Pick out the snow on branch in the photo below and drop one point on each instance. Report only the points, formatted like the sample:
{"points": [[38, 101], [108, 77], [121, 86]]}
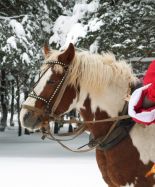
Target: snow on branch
{"points": [[149, 18], [12, 17]]}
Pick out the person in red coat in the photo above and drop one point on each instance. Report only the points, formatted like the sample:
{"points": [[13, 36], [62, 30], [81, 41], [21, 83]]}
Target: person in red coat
{"points": [[142, 101]]}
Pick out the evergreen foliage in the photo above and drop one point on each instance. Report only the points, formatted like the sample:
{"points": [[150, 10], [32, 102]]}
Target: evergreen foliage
{"points": [[127, 27], [24, 27]]}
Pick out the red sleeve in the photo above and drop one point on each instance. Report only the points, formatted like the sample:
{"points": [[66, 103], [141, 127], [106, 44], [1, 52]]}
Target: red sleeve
{"points": [[150, 74], [150, 78], [151, 92]]}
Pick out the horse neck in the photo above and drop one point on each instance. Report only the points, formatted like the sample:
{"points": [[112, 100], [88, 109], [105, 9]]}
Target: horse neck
{"points": [[98, 129], [101, 105]]}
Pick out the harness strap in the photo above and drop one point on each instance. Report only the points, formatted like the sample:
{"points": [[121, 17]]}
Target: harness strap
{"points": [[118, 133], [59, 97], [98, 141], [34, 109], [96, 145], [74, 120], [92, 122], [47, 133], [70, 149]]}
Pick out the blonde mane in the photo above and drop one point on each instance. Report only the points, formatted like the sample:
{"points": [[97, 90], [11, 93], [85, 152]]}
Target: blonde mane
{"points": [[95, 71], [99, 71]]}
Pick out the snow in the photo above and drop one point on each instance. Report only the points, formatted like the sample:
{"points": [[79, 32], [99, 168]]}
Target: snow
{"points": [[75, 32], [142, 59], [127, 41], [117, 45], [9, 77], [140, 47], [25, 58], [12, 42], [25, 19], [95, 24], [46, 26], [80, 10], [60, 29], [94, 47], [17, 28], [30, 161], [68, 29]]}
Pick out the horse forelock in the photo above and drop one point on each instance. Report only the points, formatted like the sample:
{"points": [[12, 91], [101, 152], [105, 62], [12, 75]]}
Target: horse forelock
{"points": [[52, 56]]}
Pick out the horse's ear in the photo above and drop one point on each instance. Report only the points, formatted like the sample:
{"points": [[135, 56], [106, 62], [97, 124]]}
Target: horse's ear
{"points": [[46, 49], [68, 55]]}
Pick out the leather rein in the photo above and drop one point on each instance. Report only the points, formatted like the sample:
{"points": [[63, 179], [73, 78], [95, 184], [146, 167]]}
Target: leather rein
{"points": [[50, 112]]}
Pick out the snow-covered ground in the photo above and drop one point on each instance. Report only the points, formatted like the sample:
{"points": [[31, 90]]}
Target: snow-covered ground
{"points": [[28, 161]]}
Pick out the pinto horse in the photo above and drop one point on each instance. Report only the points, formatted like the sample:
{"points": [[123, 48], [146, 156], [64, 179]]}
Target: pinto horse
{"points": [[96, 86]]}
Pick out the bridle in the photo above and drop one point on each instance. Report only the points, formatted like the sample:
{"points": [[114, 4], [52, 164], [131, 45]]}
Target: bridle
{"points": [[49, 111]]}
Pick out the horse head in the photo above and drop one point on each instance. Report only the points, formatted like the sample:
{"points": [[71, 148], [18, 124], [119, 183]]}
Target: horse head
{"points": [[45, 99]]}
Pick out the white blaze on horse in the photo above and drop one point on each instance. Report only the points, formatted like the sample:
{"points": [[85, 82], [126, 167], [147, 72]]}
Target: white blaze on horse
{"points": [[95, 85]]}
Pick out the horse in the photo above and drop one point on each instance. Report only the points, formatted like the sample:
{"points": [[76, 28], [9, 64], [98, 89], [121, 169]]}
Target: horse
{"points": [[95, 85]]}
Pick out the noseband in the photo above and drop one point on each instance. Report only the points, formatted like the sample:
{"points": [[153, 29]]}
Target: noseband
{"points": [[59, 91]]}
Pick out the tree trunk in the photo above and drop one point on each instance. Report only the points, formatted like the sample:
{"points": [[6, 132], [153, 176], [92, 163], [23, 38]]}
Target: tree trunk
{"points": [[56, 128], [12, 103], [18, 106], [3, 121], [26, 92]]}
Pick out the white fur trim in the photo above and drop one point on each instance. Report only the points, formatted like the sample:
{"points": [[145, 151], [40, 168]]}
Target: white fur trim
{"points": [[147, 116]]}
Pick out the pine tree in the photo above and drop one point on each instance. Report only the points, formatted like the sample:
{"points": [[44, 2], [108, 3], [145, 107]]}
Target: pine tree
{"points": [[24, 26], [125, 29]]}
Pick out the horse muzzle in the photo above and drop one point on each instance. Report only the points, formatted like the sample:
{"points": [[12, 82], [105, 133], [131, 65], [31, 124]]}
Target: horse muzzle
{"points": [[30, 120]]}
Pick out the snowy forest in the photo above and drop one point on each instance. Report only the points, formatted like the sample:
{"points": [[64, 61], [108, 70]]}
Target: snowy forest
{"points": [[125, 27]]}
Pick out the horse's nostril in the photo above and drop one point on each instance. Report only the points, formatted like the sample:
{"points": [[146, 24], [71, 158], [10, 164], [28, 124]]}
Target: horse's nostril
{"points": [[39, 120], [30, 120], [26, 116]]}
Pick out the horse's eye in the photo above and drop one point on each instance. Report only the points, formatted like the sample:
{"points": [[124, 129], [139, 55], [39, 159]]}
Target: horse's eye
{"points": [[51, 82]]}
